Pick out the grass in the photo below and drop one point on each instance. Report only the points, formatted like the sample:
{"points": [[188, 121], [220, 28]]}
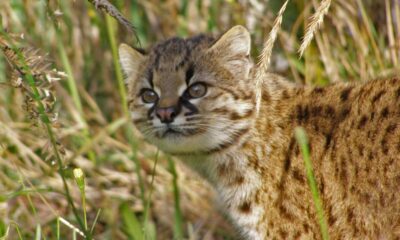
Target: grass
{"points": [[49, 127], [302, 140]]}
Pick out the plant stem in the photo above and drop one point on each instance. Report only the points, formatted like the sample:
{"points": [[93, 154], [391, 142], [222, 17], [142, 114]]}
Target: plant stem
{"points": [[303, 142], [46, 121], [148, 202], [178, 220], [122, 92]]}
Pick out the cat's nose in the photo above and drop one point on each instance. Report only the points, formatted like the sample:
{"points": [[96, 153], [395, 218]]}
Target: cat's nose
{"points": [[166, 115]]}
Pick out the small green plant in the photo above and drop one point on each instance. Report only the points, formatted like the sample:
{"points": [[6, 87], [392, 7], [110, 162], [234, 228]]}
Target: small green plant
{"points": [[302, 140]]}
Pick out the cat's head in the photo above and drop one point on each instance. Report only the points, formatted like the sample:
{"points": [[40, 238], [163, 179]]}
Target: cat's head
{"points": [[191, 95]]}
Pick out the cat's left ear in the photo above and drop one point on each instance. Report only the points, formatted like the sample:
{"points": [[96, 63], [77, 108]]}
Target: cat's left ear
{"points": [[235, 43], [130, 60], [233, 47]]}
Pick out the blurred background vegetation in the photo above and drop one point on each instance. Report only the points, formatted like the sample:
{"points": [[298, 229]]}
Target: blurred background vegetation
{"points": [[79, 84]]}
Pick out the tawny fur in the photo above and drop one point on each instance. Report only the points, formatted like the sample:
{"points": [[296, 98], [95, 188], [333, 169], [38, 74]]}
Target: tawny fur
{"points": [[253, 160]]}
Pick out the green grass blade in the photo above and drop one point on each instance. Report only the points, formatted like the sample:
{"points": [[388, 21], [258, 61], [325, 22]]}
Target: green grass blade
{"points": [[95, 220], [58, 233], [148, 201], [29, 78], [178, 219], [302, 139], [38, 235], [122, 92], [132, 225], [73, 89]]}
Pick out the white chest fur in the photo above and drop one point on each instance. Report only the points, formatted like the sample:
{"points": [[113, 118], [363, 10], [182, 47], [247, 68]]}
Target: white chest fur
{"points": [[237, 186]]}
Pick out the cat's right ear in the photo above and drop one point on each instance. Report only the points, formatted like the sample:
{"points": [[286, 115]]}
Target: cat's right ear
{"points": [[130, 59]]}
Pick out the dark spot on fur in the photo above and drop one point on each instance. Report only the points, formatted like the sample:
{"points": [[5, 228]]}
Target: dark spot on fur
{"points": [[330, 111], [302, 113], [391, 128], [239, 180], [378, 96], [372, 116], [328, 140], [283, 234], [150, 77], [287, 163], [321, 187], [298, 176], [297, 149], [285, 94], [385, 112], [289, 153], [189, 73], [245, 207], [285, 213], [360, 150], [362, 122], [306, 227], [384, 146], [345, 94], [350, 215], [370, 156], [397, 93], [315, 111], [344, 113], [222, 169], [343, 172], [318, 90], [266, 97], [366, 197], [235, 116], [257, 198], [331, 218]]}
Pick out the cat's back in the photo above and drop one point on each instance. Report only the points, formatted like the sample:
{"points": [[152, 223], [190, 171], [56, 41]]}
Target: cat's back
{"points": [[354, 135]]}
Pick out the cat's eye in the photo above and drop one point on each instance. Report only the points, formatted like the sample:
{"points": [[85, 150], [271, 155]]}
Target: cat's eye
{"points": [[197, 90], [149, 96]]}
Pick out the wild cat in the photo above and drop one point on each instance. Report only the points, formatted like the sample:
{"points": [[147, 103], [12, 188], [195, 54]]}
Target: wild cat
{"points": [[195, 98]]}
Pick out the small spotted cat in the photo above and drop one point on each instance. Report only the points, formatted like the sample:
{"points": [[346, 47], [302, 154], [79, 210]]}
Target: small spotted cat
{"points": [[195, 98]]}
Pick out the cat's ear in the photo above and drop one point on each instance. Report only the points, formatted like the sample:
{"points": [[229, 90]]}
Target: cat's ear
{"points": [[130, 59], [234, 44]]}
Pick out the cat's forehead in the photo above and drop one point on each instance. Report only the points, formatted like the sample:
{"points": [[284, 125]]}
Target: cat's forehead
{"points": [[175, 53]]}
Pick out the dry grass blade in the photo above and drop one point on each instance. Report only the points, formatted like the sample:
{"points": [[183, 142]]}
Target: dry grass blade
{"points": [[390, 30], [316, 21], [265, 57], [110, 9]]}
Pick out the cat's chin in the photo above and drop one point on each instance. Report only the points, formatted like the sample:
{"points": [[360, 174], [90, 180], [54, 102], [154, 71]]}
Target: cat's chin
{"points": [[176, 143]]}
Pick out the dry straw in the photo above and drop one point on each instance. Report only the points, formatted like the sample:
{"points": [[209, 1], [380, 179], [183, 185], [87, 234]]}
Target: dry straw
{"points": [[316, 21], [265, 57], [110, 9]]}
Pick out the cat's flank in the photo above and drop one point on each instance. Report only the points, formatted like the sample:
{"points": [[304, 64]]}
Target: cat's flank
{"points": [[195, 98]]}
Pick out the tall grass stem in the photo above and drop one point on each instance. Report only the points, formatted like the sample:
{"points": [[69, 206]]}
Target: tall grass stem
{"points": [[302, 140], [178, 219], [122, 92]]}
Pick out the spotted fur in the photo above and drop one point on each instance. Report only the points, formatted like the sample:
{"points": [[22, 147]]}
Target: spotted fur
{"points": [[253, 160]]}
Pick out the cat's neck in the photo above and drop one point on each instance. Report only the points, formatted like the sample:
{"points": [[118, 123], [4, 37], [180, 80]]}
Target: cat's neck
{"points": [[223, 166], [237, 162]]}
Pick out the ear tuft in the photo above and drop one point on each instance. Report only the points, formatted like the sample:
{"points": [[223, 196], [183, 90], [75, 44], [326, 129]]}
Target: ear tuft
{"points": [[235, 42], [130, 59]]}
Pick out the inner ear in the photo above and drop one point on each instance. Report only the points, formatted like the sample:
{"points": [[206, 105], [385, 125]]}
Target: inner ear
{"points": [[130, 59]]}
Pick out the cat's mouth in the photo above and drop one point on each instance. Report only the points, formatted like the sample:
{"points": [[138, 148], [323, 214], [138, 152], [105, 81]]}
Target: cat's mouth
{"points": [[171, 132]]}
